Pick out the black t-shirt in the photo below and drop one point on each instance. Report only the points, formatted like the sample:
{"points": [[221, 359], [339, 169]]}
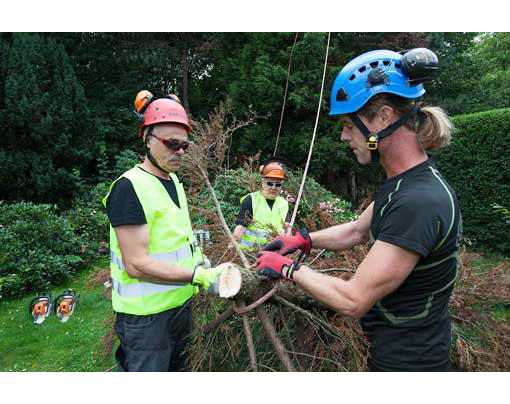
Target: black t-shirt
{"points": [[246, 212], [409, 329], [124, 207]]}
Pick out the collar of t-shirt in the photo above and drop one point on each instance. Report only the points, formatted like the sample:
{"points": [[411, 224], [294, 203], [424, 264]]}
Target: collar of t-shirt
{"points": [[169, 186]]}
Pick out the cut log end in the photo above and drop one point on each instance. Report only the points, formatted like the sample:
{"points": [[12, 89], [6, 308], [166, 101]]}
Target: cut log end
{"points": [[230, 280]]}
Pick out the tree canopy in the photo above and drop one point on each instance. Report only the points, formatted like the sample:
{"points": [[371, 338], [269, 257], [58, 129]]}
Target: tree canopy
{"points": [[67, 98]]}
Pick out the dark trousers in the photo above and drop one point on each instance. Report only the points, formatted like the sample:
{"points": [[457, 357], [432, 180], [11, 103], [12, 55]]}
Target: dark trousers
{"points": [[156, 342]]}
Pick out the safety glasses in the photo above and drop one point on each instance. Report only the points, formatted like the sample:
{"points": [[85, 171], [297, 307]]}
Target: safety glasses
{"points": [[173, 145], [274, 184]]}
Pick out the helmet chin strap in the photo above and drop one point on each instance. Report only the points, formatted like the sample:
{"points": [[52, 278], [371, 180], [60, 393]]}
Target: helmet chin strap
{"points": [[154, 162], [151, 157], [373, 139]]}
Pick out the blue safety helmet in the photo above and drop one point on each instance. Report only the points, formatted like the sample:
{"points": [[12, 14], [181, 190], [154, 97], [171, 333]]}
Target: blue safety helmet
{"points": [[375, 72]]}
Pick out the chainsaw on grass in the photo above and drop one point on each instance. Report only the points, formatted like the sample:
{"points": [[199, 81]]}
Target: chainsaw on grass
{"points": [[40, 307], [65, 305]]}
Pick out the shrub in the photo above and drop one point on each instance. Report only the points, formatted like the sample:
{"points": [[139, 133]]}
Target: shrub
{"points": [[88, 215], [232, 185], [37, 248], [478, 168]]}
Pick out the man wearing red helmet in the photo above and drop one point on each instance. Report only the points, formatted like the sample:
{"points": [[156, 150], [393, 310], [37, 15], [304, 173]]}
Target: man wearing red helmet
{"points": [[154, 266]]}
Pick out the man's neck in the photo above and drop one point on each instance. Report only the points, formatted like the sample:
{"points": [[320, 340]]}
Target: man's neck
{"points": [[401, 152], [151, 168]]}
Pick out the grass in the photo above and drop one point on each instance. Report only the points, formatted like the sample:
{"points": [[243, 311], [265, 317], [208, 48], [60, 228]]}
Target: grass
{"points": [[74, 346], [54, 346], [489, 260]]}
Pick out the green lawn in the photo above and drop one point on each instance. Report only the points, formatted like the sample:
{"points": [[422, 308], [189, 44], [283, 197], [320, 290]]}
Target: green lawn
{"points": [[73, 346], [54, 346]]}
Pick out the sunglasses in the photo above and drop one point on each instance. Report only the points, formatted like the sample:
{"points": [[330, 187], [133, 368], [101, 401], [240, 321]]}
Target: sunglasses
{"points": [[275, 184], [173, 145]]}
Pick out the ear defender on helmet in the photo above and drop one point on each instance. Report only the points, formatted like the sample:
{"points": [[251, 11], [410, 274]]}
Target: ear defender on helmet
{"points": [[142, 101], [419, 65], [376, 72], [152, 111]]}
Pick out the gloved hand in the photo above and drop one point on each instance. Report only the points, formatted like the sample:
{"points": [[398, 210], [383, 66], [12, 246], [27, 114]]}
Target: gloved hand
{"points": [[207, 279], [203, 261], [284, 245], [275, 266]]}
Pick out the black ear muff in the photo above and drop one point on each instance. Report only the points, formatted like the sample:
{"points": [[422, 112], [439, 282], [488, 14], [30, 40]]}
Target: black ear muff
{"points": [[419, 65]]}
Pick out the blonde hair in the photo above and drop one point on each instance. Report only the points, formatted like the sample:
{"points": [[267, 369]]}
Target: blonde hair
{"points": [[432, 125]]}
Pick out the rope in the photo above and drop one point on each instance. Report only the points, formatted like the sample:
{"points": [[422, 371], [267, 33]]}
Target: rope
{"points": [[285, 96], [313, 139]]}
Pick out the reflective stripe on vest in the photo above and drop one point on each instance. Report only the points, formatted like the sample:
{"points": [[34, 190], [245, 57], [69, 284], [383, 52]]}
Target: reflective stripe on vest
{"points": [[170, 240], [172, 257], [265, 219], [141, 288]]}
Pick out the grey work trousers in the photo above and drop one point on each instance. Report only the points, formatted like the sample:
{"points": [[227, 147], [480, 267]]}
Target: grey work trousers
{"points": [[155, 342]]}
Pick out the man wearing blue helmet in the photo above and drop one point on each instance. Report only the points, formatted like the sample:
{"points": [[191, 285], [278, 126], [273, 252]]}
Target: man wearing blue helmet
{"points": [[400, 291]]}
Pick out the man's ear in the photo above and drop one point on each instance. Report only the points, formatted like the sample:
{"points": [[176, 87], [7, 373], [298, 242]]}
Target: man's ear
{"points": [[386, 114], [146, 138]]}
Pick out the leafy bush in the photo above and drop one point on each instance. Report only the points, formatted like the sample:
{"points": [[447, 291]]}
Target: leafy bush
{"points": [[478, 168], [88, 214], [232, 185], [37, 248]]}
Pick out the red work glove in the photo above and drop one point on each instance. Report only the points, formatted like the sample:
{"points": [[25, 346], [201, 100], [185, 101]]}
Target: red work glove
{"points": [[284, 245], [275, 266]]}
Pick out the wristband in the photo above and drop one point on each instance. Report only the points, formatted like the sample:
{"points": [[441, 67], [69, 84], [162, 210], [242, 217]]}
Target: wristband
{"points": [[291, 269]]}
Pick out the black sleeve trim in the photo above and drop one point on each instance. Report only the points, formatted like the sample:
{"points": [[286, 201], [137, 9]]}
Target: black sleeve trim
{"points": [[245, 212], [123, 205]]}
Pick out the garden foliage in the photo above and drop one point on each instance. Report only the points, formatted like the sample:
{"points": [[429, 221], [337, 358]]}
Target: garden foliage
{"points": [[38, 247], [232, 185], [477, 166], [42, 246]]}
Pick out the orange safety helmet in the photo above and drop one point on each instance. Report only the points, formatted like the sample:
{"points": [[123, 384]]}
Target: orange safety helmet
{"points": [[166, 109], [273, 169]]}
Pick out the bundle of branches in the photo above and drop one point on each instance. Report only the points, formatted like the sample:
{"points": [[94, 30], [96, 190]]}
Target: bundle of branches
{"points": [[274, 325], [273, 304]]}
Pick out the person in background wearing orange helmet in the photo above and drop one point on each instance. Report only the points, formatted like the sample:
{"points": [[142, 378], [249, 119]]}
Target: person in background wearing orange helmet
{"points": [[265, 210], [154, 266]]}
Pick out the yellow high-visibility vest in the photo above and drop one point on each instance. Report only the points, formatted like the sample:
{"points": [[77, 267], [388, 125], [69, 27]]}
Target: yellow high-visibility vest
{"points": [[170, 239], [265, 219]]}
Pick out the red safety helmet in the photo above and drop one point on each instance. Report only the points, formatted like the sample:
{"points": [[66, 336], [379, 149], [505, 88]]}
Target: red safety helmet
{"points": [[166, 109]]}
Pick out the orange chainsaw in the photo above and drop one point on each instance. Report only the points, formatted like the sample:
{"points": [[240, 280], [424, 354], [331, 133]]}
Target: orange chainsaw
{"points": [[40, 307], [65, 305]]}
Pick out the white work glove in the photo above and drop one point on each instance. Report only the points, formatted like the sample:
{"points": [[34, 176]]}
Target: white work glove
{"points": [[203, 261]]}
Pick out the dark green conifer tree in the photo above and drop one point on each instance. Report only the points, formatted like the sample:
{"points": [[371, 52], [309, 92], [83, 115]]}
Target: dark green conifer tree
{"points": [[47, 147]]}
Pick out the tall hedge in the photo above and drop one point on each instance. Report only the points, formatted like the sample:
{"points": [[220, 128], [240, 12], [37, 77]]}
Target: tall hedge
{"points": [[477, 165]]}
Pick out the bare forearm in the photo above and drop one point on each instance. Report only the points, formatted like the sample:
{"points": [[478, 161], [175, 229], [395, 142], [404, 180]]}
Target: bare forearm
{"points": [[156, 271], [332, 292], [345, 236], [238, 232], [340, 237]]}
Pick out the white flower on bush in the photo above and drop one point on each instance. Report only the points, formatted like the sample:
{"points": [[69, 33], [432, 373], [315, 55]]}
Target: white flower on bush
{"points": [[330, 207]]}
